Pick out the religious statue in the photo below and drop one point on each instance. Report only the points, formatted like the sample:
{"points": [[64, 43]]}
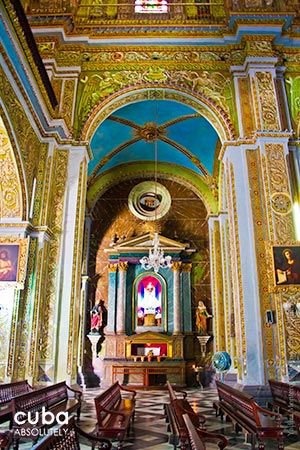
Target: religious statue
{"points": [[149, 305], [201, 318], [98, 313]]}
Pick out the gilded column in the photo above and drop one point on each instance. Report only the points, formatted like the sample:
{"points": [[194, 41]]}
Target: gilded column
{"points": [[226, 276], [217, 283], [121, 297], [186, 269], [294, 162], [112, 298], [269, 185], [53, 200], [176, 266], [84, 324]]}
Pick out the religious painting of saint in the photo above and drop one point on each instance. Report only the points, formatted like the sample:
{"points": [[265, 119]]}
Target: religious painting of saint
{"points": [[9, 255], [286, 265], [149, 302]]}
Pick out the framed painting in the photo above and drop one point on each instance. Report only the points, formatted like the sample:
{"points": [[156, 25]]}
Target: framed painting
{"points": [[149, 302], [9, 262], [286, 265]]}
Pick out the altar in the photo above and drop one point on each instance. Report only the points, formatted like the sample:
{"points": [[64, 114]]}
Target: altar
{"points": [[149, 332]]}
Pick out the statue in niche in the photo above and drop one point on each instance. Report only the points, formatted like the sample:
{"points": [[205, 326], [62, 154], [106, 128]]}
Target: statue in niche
{"points": [[98, 317], [201, 318], [149, 304]]}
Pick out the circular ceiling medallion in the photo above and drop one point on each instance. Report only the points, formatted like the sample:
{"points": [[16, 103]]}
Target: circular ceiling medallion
{"points": [[149, 200]]}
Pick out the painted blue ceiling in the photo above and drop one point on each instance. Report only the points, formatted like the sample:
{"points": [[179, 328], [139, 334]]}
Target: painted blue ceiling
{"points": [[166, 153], [190, 133]]}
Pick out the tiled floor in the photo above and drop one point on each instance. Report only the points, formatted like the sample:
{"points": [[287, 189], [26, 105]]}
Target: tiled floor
{"points": [[150, 430]]}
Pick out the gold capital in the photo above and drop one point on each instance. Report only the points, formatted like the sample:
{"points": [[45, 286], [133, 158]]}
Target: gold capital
{"points": [[176, 265], [112, 267], [186, 267], [123, 266]]}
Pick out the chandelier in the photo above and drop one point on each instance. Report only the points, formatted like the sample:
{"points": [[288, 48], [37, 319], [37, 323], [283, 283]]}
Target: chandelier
{"points": [[156, 259]]}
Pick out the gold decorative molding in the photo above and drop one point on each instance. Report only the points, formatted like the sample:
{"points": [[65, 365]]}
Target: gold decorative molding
{"points": [[235, 263], [109, 101], [76, 271], [278, 184], [10, 186], [259, 45], [67, 102], [259, 224], [55, 200], [267, 101], [28, 142], [13, 332], [288, 302], [20, 364], [281, 203]]}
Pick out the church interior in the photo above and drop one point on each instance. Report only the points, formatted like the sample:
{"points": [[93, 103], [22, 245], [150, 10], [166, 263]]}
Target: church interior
{"points": [[150, 221]]}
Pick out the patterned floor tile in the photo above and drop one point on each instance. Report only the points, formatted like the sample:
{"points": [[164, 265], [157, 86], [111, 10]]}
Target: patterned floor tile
{"points": [[150, 428]]}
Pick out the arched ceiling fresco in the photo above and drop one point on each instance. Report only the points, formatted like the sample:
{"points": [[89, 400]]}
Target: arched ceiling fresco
{"points": [[183, 137]]}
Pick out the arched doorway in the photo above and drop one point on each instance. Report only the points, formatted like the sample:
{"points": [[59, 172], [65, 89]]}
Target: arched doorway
{"points": [[187, 167]]}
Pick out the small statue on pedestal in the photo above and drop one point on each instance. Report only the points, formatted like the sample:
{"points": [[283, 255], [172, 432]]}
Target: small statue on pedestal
{"points": [[98, 315], [201, 318]]}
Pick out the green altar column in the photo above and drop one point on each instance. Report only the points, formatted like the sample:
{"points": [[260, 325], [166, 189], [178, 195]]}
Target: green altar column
{"points": [[186, 297], [112, 298]]}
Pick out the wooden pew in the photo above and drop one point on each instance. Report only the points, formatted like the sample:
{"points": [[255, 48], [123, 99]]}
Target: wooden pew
{"points": [[174, 411], [280, 396], [67, 438], [53, 398], [114, 413], [197, 438], [7, 392], [286, 400], [261, 424], [5, 440], [181, 400]]}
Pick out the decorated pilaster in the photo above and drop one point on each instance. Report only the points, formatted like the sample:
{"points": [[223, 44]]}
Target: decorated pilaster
{"points": [[216, 265], [71, 263], [112, 298], [176, 266], [48, 232], [228, 304], [121, 298], [263, 116]]}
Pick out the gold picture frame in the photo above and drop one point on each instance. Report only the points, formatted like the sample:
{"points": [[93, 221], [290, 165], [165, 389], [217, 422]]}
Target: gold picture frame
{"points": [[13, 261], [286, 265]]}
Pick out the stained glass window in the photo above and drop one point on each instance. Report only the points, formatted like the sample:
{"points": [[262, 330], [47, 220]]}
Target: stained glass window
{"points": [[151, 6]]}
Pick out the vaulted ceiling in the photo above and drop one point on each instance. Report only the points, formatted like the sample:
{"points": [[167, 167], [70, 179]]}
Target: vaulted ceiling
{"points": [[183, 137]]}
